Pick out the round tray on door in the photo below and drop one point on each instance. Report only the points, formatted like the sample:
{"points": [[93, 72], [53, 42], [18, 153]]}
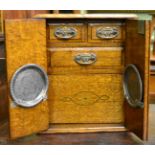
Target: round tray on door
{"points": [[29, 85], [133, 87]]}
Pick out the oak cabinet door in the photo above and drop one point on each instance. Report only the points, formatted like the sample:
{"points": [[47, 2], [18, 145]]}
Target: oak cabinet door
{"points": [[137, 53], [25, 44]]}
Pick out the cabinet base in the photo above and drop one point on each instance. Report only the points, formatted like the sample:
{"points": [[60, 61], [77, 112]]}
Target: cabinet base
{"points": [[84, 128]]}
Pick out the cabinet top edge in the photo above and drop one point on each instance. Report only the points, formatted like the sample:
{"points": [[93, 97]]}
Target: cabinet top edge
{"points": [[88, 16]]}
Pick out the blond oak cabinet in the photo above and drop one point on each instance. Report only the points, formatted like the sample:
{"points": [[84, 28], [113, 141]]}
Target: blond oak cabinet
{"points": [[84, 58]]}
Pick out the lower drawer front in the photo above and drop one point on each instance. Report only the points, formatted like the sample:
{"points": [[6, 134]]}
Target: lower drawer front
{"points": [[86, 98]]}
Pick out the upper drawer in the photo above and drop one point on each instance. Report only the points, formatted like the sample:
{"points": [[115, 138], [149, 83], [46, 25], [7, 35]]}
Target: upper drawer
{"points": [[105, 32], [67, 32], [85, 59]]}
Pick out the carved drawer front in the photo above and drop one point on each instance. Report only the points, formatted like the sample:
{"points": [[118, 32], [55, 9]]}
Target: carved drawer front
{"points": [[67, 32], [85, 59], [86, 98], [105, 32]]}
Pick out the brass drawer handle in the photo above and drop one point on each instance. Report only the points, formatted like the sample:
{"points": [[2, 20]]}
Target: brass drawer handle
{"points": [[107, 32], [65, 32], [85, 58]]}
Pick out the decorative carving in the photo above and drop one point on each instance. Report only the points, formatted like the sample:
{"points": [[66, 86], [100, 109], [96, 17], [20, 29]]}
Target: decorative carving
{"points": [[104, 97], [85, 98], [85, 58], [107, 32], [65, 32]]}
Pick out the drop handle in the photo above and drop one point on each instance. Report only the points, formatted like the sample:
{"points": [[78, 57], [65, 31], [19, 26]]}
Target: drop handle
{"points": [[65, 32], [107, 32], [85, 58]]}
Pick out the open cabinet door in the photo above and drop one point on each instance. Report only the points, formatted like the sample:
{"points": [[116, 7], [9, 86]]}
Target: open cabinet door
{"points": [[137, 53], [25, 44]]}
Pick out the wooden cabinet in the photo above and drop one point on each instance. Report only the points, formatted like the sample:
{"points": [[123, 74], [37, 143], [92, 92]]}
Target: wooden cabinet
{"points": [[85, 58]]}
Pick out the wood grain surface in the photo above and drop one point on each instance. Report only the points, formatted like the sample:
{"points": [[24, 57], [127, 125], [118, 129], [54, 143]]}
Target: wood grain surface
{"points": [[89, 16], [86, 33], [84, 128], [3, 92], [64, 57], [92, 31], [22, 14], [61, 60], [26, 44], [100, 138], [137, 52], [80, 28], [87, 98]]}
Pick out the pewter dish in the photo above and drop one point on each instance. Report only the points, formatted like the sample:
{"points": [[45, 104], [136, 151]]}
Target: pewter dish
{"points": [[133, 87], [29, 85]]}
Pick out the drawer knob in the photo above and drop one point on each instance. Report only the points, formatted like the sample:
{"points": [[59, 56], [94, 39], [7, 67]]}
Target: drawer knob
{"points": [[107, 32], [65, 32], [85, 58]]}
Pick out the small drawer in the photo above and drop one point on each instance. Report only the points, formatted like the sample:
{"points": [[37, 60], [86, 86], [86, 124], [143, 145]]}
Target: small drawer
{"points": [[85, 60], [105, 32], [67, 32]]}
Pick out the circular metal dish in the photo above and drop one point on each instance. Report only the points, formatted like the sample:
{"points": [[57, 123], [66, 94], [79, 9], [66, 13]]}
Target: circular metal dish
{"points": [[29, 85], [133, 87]]}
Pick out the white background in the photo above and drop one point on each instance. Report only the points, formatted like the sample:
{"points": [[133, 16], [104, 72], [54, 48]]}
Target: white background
{"points": [[78, 4]]}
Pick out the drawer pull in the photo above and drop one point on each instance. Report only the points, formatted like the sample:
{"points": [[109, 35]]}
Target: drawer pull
{"points": [[107, 32], [85, 58], [65, 32]]}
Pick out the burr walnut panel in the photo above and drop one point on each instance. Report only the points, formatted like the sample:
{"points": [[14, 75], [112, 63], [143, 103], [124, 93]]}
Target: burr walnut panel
{"points": [[96, 98], [26, 44]]}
